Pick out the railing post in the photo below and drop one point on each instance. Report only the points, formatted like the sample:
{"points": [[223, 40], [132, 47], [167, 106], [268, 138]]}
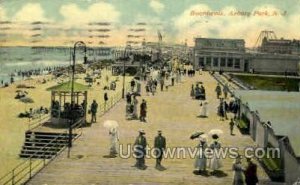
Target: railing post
{"points": [[30, 168], [13, 177], [56, 147], [44, 159], [111, 103]]}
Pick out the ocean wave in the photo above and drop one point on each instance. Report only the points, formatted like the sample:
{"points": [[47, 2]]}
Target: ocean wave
{"points": [[39, 63], [11, 64]]}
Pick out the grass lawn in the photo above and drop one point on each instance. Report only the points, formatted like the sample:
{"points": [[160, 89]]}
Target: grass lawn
{"points": [[271, 164], [242, 124], [270, 83]]}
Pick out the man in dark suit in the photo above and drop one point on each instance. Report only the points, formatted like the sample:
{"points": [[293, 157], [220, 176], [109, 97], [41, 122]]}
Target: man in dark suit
{"points": [[251, 173], [160, 146], [140, 145], [143, 111], [94, 108]]}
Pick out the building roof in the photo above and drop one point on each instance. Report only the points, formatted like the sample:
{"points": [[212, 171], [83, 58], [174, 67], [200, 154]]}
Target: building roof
{"points": [[66, 87], [219, 39], [282, 109]]}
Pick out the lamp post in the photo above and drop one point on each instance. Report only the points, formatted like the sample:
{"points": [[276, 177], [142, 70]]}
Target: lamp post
{"points": [[123, 88], [72, 120]]}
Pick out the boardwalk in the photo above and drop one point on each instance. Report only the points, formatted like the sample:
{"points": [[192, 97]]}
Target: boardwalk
{"points": [[175, 113]]}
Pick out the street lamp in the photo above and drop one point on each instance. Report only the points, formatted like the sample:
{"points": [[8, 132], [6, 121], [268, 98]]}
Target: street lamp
{"points": [[123, 88], [78, 43]]}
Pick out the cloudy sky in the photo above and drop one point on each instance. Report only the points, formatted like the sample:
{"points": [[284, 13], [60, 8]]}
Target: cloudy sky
{"points": [[61, 22]]}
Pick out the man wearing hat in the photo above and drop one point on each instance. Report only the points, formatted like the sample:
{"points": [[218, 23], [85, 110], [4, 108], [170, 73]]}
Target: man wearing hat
{"points": [[140, 145], [218, 91], [251, 173], [159, 146], [94, 108], [143, 111]]}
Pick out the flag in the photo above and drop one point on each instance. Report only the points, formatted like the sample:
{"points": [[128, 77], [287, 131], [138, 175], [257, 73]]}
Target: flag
{"points": [[159, 36]]}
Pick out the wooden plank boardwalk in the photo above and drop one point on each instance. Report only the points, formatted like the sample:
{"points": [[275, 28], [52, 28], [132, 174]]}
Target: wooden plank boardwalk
{"points": [[175, 113]]}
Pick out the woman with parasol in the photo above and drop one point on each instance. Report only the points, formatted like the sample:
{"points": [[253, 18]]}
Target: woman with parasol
{"points": [[112, 127], [201, 160], [215, 161]]}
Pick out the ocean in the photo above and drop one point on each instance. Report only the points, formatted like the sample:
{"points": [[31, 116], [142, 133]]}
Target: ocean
{"points": [[14, 59]]}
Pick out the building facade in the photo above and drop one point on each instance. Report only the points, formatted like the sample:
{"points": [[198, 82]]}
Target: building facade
{"points": [[231, 55], [220, 54], [280, 46]]}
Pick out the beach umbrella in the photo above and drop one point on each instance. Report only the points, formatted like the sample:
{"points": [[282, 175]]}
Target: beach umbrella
{"points": [[196, 135], [109, 124]]}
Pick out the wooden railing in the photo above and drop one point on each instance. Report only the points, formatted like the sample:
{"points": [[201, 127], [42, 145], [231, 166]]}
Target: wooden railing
{"points": [[28, 168], [24, 171]]}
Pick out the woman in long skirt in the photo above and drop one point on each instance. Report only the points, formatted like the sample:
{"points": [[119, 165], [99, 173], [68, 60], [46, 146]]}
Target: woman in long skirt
{"points": [[204, 111], [168, 82], [238, 178], [215, 162], [135, 104], [192, 92], [114, 138], [201, 160]]}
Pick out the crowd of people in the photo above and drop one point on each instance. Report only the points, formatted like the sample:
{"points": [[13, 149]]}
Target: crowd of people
{"points": [[163, 80], [67, 110]]}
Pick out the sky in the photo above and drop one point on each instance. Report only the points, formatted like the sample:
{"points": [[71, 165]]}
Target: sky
{"points": [[62, 22]]}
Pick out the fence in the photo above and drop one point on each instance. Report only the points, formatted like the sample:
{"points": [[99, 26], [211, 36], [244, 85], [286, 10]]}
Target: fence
{"points": [[38, 121], [24, 171]]}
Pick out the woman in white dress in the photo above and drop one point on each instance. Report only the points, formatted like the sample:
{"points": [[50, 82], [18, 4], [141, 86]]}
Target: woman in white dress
{"points": [[204, 111], [114, 138], [215, 161], [201, 159], [167, 82], [135, 104]]}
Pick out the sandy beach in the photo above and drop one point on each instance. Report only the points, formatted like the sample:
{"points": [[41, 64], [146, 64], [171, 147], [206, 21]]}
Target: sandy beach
{"points": [[13, 128]]}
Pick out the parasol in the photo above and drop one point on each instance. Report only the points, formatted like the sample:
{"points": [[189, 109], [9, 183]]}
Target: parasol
{"points": [[215, 131], [135, 94], [196, 135], [109, 124]]}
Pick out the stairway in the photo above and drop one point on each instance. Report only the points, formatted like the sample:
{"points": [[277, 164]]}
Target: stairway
{"points": [[43, 145]]}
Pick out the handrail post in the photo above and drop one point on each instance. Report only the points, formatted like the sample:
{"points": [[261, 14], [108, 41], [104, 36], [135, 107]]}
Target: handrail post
{"points": [[56, 146], [30, 168], [13, 177], [44, 158], [111, 103]]}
